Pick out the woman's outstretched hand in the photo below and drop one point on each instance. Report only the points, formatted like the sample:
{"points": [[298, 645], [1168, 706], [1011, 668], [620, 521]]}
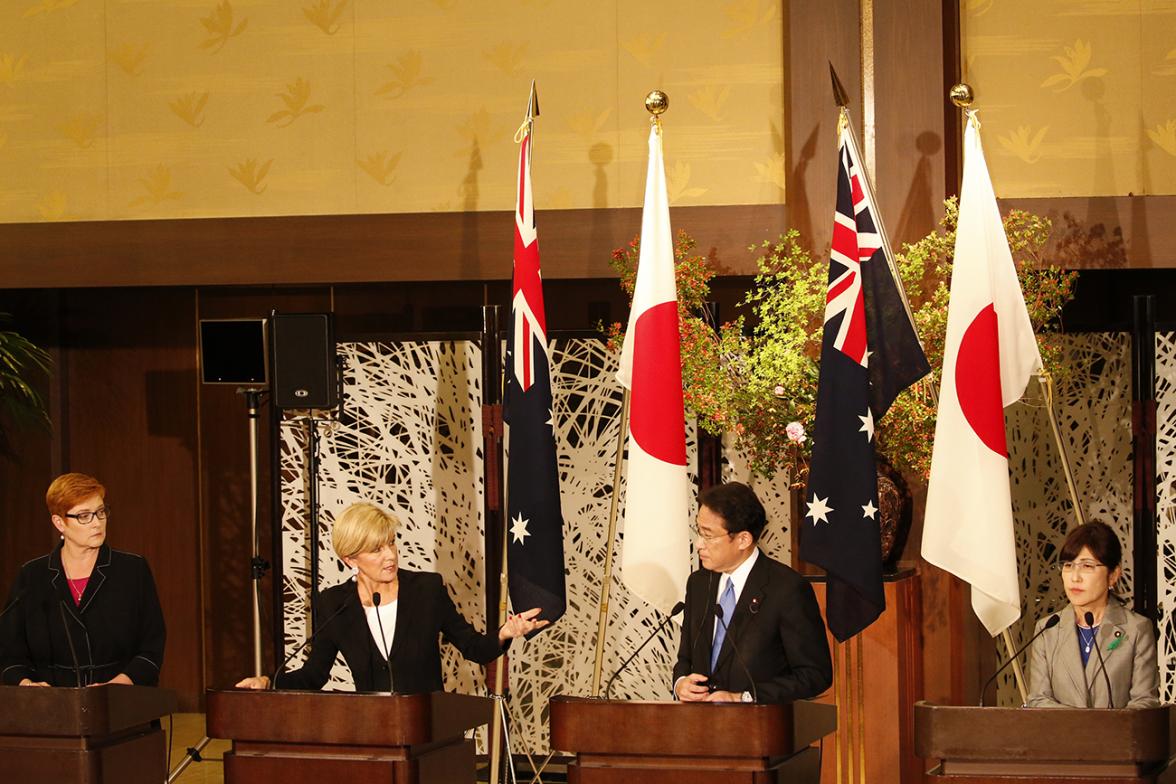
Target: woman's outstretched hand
{"points": [[521, 624]]}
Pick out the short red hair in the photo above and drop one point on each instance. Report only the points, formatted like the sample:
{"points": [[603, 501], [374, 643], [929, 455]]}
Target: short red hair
{"points": [[68, 490]]}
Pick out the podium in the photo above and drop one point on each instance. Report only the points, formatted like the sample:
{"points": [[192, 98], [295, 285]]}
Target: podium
{"points": [[990, 745], [345, 738], [84, 736], [631, 742]]}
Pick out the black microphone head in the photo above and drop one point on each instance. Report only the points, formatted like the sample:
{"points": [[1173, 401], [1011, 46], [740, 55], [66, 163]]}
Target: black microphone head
{"points": [[719, 610], [1089, 618], [1054, 620], [679, 607], [375, 599]]}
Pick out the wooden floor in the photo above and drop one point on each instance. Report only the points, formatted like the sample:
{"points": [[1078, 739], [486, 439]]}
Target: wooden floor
{"points": [[188, 731]]}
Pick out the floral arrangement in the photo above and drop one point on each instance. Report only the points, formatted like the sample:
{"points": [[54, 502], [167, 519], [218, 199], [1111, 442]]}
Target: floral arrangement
{"points": [[706, 378], [761, 383]]}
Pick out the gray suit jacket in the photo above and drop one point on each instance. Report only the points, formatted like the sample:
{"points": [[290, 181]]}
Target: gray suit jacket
{"points": [[1057, 678]]}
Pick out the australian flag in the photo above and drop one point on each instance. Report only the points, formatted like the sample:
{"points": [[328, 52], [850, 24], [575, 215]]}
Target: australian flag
{"points": [[535, 559], [870, 353]]}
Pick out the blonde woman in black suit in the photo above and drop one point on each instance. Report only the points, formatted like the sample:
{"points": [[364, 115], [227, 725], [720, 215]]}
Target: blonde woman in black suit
{"points": [[1066, 669], [402, 631]]}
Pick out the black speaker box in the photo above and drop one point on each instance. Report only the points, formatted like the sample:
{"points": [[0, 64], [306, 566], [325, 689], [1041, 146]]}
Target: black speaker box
{"points": [[233, 351], [302, 360]]}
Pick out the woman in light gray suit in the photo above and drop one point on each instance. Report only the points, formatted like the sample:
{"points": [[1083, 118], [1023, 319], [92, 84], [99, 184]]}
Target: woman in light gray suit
{"points": [[1066, 670]]}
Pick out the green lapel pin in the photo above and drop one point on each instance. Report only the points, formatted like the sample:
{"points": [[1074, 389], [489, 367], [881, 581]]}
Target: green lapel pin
{"points": [[1115, 643]]}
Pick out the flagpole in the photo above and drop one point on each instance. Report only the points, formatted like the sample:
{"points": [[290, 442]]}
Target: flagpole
{"points": [[490, 343], [962, 96], [497, 727], [1047, 388], [606, 581], [1018, 675], [845, 126]]}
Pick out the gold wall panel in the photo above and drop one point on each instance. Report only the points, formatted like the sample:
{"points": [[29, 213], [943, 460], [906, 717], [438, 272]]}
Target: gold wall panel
{"points": [[134, 109], [1076, 97]]}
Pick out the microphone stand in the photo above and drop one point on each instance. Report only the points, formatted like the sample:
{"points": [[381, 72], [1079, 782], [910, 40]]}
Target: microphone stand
{"points": [[1049, 624], [383, 640], [738, 655], [679, 607], [69, 639], [1102, 664]]}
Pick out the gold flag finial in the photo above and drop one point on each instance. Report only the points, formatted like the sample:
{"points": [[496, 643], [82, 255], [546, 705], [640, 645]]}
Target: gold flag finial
{"points": [[961, 95], [532, 113], [533, 104], [656, 104], [838, 89]]}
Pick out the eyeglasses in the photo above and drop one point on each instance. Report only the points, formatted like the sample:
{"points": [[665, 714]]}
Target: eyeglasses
{"points": [[1085, 568], [713, 537], [87, 517]]}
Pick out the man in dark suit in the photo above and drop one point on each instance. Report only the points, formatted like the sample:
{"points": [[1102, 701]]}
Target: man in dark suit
{"points": [[769, 612]]}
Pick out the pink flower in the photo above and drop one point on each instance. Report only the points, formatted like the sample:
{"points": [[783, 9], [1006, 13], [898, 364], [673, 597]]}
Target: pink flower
{"points": [[795, 432], [779, 392]]}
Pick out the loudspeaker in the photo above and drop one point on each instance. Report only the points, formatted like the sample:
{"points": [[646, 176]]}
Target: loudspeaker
{"points": [[233, 351], [302, 360]]}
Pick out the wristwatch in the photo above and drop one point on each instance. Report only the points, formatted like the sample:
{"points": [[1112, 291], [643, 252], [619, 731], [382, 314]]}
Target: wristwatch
{"points": [[746, 697]]}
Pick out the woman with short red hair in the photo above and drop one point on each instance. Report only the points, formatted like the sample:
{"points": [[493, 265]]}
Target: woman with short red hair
{"points": [[84, 614]]}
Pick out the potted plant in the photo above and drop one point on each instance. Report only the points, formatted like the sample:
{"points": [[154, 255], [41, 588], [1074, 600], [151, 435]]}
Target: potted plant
{"points": [[20, 402]]}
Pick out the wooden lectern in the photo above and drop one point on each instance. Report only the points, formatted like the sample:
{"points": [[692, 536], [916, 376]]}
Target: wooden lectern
{"points": [[320, 737], [637, 742], [97, 734], [1004, 745]]}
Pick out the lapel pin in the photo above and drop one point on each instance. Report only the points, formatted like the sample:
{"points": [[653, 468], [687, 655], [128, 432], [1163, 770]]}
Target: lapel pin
{"points": [[755, 605], [1115, 643]]}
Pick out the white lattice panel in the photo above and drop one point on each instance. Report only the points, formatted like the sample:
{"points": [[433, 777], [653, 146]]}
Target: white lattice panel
{"points": [[409, 440], [1166, 509]]}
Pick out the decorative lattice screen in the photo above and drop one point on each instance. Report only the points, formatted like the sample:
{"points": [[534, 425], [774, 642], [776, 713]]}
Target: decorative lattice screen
{"points": [[410, 440]]}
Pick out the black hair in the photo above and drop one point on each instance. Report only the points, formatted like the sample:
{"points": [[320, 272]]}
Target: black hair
{"points": [[736, 503], [1098, 537]]}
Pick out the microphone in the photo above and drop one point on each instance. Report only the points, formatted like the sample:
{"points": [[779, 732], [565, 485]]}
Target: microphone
{"points": [[383, 640], [710, 591], [307, 641], [679, 607], [1102, 664], [738, 655], [1049, 624], [69, 638], [15, 601]]}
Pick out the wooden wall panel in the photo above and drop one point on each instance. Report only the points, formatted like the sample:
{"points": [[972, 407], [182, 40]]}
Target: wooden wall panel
{"points": [[820, 33], [352, 248], [909, 96], [131, 360]]}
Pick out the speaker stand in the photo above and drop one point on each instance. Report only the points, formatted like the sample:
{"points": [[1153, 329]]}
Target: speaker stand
{"points": [[258, 566], [313, 523]]}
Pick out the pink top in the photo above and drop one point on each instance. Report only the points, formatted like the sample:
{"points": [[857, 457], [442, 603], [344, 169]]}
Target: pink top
{"points": [[77, 588]]}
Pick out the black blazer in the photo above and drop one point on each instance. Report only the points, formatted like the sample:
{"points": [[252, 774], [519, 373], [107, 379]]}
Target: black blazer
{"points": [[777, 626], [424, 612], [117, 629]]}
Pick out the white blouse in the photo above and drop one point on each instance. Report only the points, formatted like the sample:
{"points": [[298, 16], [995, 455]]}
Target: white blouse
{"points": [[388, 619]]}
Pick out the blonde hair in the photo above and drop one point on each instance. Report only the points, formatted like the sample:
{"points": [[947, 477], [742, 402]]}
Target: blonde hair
{"points": [[363, 528]]}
